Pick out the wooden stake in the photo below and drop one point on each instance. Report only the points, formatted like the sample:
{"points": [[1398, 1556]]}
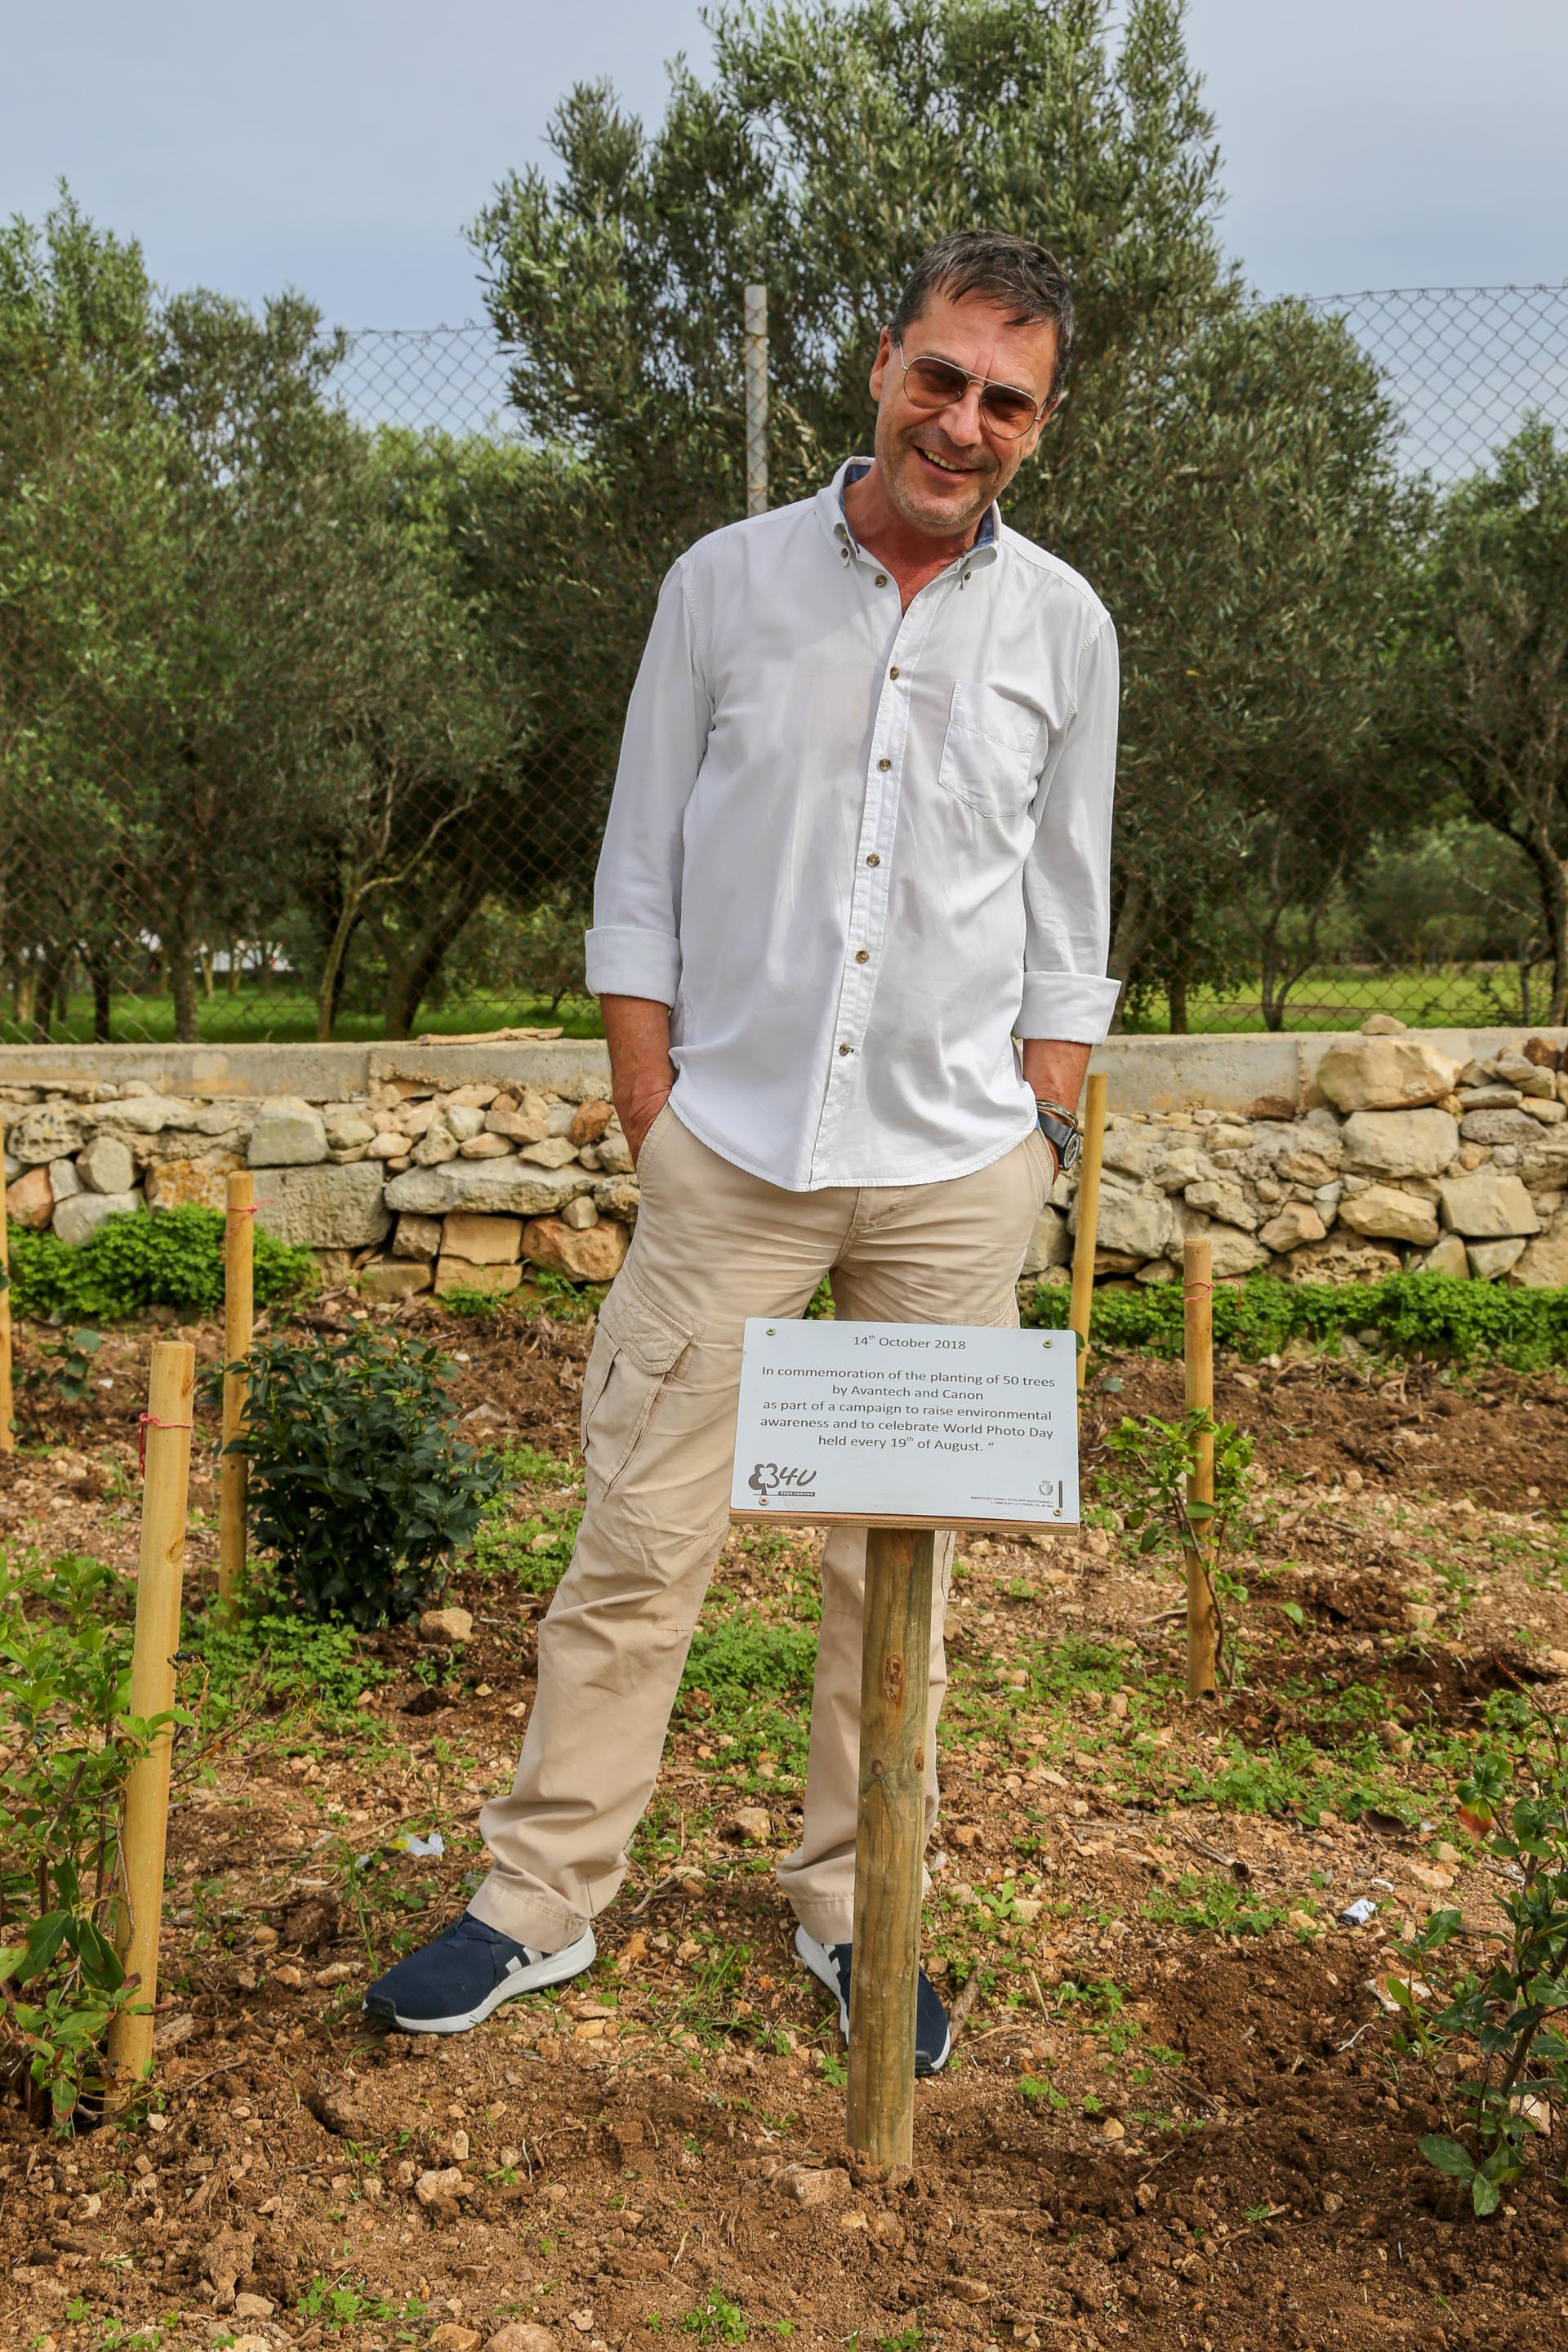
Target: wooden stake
{"points": [[890, 1839], [7, 1435], [168, 1432], [238, 1313], [1087, 1240], [1198, 1291]]}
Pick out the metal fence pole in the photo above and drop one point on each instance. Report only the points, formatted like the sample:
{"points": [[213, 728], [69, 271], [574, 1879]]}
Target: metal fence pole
{"points": [[756, 330]]}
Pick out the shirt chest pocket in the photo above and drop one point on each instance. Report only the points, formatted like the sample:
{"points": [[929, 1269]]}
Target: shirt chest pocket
{"points": [[988, 752]]}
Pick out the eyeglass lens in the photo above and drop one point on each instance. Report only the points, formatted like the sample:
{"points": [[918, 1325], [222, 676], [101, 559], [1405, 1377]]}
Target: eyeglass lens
{"points": [[938, 383]]}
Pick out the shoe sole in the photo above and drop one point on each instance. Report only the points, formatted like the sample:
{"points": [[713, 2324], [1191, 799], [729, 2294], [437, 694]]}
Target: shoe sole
{"points": [[556, 1967], [814, 1956]]}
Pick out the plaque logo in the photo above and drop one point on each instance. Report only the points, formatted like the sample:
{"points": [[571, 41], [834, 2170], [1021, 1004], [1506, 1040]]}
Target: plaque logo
{"points": [[770, 1478]]}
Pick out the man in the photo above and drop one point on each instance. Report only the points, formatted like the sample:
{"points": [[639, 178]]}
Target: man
{"points": [[860, 844]]}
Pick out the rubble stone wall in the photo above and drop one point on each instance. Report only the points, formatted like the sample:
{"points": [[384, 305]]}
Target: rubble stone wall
{"points": [[446, 1167]]}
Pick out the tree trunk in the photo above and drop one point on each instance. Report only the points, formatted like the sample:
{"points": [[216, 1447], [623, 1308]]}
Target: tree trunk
{"points": [[1551, 879], [331, 987], [410, 978], [98, 967], [49, 980]]}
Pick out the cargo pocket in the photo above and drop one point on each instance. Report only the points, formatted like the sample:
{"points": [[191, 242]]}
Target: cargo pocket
{"points": [[636, 1348]]}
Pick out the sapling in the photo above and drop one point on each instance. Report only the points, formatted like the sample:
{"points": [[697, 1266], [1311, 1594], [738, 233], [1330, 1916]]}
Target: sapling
{"points": [[1163, 1456], [1514, 1800]]}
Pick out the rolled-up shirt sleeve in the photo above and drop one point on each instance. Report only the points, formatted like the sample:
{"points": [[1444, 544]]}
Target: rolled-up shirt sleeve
{"points": [[634, 947], [1066, 879]]}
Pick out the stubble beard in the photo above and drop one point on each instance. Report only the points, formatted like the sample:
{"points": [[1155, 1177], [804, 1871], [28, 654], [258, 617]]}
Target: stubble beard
{"points": [[928, 511]]}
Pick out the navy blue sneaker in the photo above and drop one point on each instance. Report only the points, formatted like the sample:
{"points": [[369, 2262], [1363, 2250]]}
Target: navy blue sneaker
{"points": [[455, 1982], [829, 1963]]}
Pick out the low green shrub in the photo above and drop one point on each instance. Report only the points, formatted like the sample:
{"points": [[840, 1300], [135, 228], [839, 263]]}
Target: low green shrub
{"points": [[172, 1259], [1415, 1314], [67, 1744], [359, 1487]]}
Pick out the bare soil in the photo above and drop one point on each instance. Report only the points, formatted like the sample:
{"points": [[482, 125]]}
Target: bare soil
{"points": [[1175, 2117]]}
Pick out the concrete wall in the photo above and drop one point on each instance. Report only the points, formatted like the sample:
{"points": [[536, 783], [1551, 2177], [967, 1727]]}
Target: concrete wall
{"points": [[1146, 1074]]}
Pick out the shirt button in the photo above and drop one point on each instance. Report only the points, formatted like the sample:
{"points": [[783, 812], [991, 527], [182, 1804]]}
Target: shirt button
{"points": [[862, 955], [873, 859], [882, 579], [884, 765], [846, 1049], [894, 671]]}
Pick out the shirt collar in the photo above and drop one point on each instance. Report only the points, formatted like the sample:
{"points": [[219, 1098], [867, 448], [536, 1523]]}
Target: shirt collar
{"points": [[829, 505]]}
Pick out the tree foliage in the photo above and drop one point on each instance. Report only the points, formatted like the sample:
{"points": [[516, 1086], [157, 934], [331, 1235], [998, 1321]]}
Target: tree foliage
{"points": [[1221, 469], [1495, 706]]}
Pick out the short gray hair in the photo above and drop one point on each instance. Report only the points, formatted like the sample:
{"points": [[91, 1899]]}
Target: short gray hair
{"points": [[1017, 274]]}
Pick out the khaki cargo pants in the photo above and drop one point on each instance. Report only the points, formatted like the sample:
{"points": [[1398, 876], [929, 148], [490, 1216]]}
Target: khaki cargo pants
{"points": [[712, 1245]]}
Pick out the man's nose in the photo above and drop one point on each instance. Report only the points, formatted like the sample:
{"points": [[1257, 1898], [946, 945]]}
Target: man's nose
{"points": [[962, 422]]}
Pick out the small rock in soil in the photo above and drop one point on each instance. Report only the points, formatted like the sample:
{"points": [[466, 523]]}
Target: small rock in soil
{"points": [[446, 1625], [827, 2187], [523, 2336]]}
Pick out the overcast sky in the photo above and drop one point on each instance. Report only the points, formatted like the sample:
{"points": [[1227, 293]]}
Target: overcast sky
{"points": [[340, 145]]}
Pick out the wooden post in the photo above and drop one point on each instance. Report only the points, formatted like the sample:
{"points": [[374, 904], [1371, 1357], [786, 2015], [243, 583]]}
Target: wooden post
{"points": [[1197, 1292], [146, 1817], [1087, 1239], [239, 1311], [889, 1839], [7, 1435], [754, 316]]}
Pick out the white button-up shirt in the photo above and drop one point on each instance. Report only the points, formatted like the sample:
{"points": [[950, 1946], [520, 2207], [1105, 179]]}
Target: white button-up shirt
{"points": [[858, 850]]}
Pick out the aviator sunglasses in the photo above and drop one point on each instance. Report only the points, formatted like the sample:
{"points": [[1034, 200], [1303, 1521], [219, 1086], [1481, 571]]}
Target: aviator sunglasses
{"points": [[932, 383]]}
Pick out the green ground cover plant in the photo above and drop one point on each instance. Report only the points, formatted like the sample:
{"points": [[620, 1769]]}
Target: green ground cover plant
{"points": [[135, 1262], [1432, 1314], [360, 1489]]}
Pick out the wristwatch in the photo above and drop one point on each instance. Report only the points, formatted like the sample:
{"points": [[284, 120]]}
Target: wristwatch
{"points": [[1059, 1127]]}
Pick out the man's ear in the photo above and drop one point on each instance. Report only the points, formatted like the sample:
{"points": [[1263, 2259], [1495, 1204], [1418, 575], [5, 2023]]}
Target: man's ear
{"points": [[880, 363]]}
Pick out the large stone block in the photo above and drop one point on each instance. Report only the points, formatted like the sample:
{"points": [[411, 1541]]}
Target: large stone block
{"points": [[1135, 1151], [1543, 1163], [1544, 1263], [1294, 1223], [30, 1201], [1449, 1257], [1385, 1074], [1343, 1258], [1488, 1203], [192, 1184], [1400, 1142], [1134, 1225], [45, 1131], [1221, 1197], [386, 1279], [289, 1133], [1233, 1252], [417, 1237], [64, 1179], [495, 1187], [1489, 1261], [142, 1114], [596, 1255], [1048, 1243], [1385, 1210], [1500, 1126], [464, 1274], [325, 1207], [106, 1165], [484, 1241], [77, 1219]]}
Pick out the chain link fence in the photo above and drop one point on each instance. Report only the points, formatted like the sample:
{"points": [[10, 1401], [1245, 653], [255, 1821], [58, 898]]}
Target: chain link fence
{"points": [[290, 747]]}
